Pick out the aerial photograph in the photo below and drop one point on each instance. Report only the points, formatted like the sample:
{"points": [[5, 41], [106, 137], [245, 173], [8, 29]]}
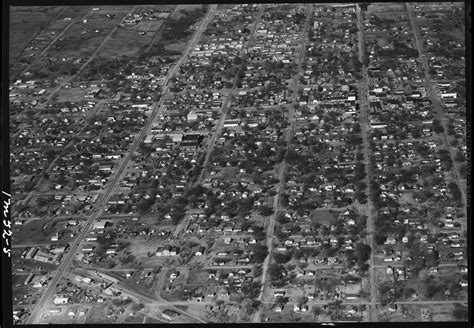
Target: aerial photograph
{"points": [[239, 163]]}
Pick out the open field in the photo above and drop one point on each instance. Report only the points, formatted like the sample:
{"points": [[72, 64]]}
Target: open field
{"points": [[98, 315], [386, 7], [83, 38], [198, 277], [25, 22], [127, 41], [187, 8], [324, 216], [32, 232], [432, 313], [178, 47], [71, 94]]}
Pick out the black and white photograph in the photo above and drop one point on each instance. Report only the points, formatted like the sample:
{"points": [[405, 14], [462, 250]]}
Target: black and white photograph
{"points": [[236, 163]]}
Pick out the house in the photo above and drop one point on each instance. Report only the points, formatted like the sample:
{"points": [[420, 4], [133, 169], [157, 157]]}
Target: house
{"points": [[449, 95], [167, 251], [55, 237], [189, 144], [279, 293], [192, 116], [87, 249], [60, 299], [200, 251], [105, 167], [99, 225], [174, 275], [231, 123], [352, 296]]}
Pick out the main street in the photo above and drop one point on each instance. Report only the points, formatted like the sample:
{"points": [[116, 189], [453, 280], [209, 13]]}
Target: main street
{"points": [[99, 207], [365, 126]]}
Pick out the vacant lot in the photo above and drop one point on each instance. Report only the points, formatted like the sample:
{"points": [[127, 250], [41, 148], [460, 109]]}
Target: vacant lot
{"points": [[325, 216], [98, 315], [386, 7], [31, 232], [82, 39], [187, 8], [25, 22], [127, 41], [198, 277], [71, 94]]}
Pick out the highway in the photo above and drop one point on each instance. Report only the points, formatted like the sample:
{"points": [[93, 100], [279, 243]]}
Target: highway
{"points": [[66, 261]]}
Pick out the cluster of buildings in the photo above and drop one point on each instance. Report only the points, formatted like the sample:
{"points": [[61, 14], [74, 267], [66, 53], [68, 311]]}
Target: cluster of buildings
{"points": [[420, 210], [257, 151]]}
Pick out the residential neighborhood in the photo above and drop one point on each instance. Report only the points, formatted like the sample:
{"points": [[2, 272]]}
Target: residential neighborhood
{"points": [[239, 163]]}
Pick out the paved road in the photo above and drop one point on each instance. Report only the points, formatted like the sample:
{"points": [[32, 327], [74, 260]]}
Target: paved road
{"points": [[117, 175], [364, 123]]}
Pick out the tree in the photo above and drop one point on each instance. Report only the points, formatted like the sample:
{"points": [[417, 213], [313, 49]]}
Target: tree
{"points": [[460, 312], [317, 310], [275, 271], [265, 210], [282, 300], [437, 127], [249, 305], [281, 258], [459, 157], [257, 270], [455, 192], [462, 171], [258, 232], [260, 252], [385, 291], [251, 290], [362, 252], [432, 287]]}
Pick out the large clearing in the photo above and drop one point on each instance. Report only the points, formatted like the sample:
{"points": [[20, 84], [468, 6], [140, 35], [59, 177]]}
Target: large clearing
{"points": [[25, 22]]}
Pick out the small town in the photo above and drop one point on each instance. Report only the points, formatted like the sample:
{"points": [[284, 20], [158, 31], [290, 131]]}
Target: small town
{"points": [[239, 163]]}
